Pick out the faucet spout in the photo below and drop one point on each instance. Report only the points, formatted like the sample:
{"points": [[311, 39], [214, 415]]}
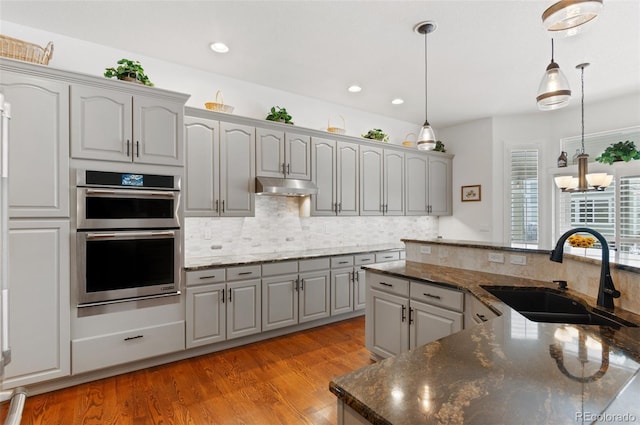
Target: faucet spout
{"points": [[606, 291]]}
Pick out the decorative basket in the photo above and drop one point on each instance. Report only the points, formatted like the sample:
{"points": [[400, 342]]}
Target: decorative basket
{"points": [[24, 51], [408, 142], [336, 130], [219, 105]]}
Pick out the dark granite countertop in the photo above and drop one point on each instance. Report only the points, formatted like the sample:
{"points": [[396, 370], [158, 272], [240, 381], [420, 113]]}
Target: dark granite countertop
{"points": [[508, 370], [202, 263]]}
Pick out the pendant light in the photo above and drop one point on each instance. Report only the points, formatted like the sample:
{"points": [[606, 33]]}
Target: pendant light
{"points": [[568, 17], [584, 182], [426, 138], [554, 91]]}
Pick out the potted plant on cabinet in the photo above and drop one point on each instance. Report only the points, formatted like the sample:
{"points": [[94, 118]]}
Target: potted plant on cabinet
{"points": [[128, 70], [620, 151], [439, 147], [279, 114], [376, 134]]}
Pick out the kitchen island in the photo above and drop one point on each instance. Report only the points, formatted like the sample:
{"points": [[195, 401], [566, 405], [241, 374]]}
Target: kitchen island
{"points": [[506, 370]]}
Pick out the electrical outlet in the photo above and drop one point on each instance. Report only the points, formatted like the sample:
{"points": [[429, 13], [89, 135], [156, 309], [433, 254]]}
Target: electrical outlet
{"points": [[520, 260], [425, 250], [496, 257]]}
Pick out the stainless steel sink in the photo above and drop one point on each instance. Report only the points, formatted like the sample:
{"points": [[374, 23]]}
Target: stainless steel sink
{"points": [[553, 306]]}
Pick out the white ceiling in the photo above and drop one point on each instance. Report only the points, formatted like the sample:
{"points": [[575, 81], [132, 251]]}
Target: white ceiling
{"points": [[486, 57]]}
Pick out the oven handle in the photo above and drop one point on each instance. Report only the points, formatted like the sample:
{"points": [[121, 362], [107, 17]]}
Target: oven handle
{"points": [[167, 233], [136, 193]]}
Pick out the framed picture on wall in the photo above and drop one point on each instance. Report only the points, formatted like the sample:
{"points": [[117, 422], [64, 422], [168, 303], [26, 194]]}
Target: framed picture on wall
{"points": [[471, 193]]}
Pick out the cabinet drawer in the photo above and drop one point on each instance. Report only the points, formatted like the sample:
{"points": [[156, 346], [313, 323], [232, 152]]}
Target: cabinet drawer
{"points": [[381, 257], [314, 264], [388, 284], [281, 267], [342, 261], [437, 295], [205, 276], [361, 259], [476, 310], [242, 272], [124, 347]]}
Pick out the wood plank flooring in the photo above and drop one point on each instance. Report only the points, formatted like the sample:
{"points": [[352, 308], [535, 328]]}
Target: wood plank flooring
{"points": [[284, 380]]}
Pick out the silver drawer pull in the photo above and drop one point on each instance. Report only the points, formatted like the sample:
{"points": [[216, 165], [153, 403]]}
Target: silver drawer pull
{"points": [[435, 297], [343, 262], [208, 277], [386, 284], [365, 259], [134, 337], [244, 273]]}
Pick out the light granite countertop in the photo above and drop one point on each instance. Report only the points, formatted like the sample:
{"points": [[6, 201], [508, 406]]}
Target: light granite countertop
{"points": [[508, 370], [201, 263]]}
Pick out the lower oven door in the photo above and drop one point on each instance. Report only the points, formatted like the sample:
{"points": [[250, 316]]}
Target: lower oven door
{"points": [[115, 266]]}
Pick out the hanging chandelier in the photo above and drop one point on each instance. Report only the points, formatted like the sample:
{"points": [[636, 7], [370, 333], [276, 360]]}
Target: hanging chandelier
{"points": [[568, 17], [427, 137], [584, 182]]}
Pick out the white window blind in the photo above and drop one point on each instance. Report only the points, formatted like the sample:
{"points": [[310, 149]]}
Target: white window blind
{"points": [[524, 196], [629, 247]]}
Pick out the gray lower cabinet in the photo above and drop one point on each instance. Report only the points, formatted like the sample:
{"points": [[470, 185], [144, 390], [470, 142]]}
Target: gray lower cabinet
{"points": [[401, 315]]}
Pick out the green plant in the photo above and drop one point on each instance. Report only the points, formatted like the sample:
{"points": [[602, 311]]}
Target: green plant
{"points": [[279, 114], [128, 69], [439, 147], [376, 134], [620, 151]]}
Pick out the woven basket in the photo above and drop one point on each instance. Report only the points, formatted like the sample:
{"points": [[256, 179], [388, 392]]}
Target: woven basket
{"points": [[219, 105], [336, 130], [24, 51], [408, 142]]}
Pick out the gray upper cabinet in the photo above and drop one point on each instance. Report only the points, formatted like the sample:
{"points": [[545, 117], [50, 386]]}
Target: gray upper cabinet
{"points": [[220, 168], [284, 155], [428, 181], [381, 181], [237, 170], [39, 145], [118, 126], [335, 170], [416, 167], [440, 186]]}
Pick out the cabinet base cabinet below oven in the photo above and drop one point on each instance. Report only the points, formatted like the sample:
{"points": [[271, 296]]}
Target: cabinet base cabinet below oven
{"points": [[103, 351]]}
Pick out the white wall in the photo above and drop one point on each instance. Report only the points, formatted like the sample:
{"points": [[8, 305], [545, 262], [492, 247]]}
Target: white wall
{"points": [[248, 99]]}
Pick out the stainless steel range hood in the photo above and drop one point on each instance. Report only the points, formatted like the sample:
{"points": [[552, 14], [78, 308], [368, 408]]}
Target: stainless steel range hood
{"points": [[284, 187]]}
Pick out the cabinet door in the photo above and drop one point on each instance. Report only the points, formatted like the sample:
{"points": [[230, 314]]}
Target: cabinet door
{"points": [[206, 315], [347, 178], [371, 183], [386, 324], [244, 308], [38, 146], [158, 131], [416, 183], [359, 289], [315, 296], [270, 160], [237, 170], [202, 145], [341, 291], [440, 186], [39, 312], [298, 156], [429, 323], [279, 301], [101, 124], [323, 170], [393, 182]]}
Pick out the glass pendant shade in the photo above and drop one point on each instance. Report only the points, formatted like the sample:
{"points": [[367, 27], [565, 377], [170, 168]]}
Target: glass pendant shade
{"points": [[427, 138], [554, 91], [568, 17]]}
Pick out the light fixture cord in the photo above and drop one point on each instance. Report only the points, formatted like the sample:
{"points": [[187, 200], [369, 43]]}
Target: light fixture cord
{"points": [[582, 105], [426, 102], [552, 50]]}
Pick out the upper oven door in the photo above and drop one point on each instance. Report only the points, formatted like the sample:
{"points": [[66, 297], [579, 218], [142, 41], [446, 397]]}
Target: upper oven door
{"points": [[127, 208]]}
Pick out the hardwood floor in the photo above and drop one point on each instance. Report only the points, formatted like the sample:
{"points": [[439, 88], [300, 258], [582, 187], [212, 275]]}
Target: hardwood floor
{"points": [[284, 380]]}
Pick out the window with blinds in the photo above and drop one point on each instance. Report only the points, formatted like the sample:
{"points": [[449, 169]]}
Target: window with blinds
{"points": [[629, 246], [524, 197]]}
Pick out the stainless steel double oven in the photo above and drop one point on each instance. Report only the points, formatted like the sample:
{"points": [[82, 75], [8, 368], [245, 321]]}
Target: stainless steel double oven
{"points": [[128, 236]]}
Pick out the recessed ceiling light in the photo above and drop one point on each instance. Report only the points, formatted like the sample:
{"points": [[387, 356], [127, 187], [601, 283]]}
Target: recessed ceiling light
{"points": [[354, 89], [219, 47], [397, 101]]}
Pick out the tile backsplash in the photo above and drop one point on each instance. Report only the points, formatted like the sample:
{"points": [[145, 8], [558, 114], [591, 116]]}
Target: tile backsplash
{"points": [[277, 227]]}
